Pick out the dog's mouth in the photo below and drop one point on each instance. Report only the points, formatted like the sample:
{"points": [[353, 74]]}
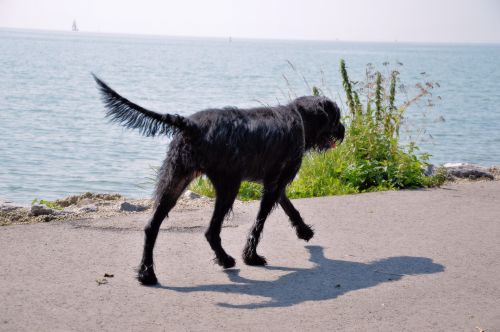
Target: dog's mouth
{"points": [[334, 142], [332, 139], [330, 143]]}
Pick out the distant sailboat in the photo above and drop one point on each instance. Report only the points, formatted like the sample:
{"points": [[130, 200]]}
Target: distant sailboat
{"points": [[74, 27]]}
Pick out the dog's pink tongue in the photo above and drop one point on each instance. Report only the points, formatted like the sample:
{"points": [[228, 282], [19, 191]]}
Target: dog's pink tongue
{"points": [[333, 146]]}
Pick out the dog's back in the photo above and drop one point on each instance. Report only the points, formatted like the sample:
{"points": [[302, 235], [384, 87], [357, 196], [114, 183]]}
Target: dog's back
{"points": [[250, 142]]}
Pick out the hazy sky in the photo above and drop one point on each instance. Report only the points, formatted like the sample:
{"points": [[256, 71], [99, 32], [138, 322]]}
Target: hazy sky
{"points": [[361, 20]]}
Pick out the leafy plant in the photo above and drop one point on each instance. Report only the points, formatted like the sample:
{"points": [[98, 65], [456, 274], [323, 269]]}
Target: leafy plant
{"points": [[49, 204]]}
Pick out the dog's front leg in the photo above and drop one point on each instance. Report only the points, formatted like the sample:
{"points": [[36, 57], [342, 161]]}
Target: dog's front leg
{"points": [[303, 230], [269, 199]]}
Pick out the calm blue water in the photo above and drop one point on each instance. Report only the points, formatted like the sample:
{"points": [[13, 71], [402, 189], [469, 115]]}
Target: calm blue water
{"points": [[54, 140]]}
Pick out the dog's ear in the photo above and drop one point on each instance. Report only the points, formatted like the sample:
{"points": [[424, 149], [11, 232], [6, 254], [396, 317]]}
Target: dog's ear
{"points": [[314, 118], [331, 109], [313, 115]]}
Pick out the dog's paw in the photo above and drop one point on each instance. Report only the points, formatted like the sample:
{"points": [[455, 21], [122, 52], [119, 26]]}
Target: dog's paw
{"points": [[305, 233], [226, 262], [255, 260], [147, 276]]}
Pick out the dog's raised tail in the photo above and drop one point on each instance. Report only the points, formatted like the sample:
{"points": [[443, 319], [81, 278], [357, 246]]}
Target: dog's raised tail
{"points": [[123, 111]]}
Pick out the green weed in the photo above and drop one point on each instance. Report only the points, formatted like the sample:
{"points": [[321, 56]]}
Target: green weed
{"points": [[49, 204]]}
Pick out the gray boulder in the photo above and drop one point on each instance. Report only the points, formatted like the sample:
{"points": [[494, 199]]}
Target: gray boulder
{"points": [[429, 170], [88, 208], [467, 171], [191, 195], [42, 210], [130, 207], [10, 206]]}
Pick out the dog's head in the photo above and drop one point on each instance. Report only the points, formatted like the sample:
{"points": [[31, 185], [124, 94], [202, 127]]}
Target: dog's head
{"points": [[321, 118]]}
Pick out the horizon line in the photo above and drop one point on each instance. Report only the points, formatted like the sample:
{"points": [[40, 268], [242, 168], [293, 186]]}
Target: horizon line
{"points": [[140, 34]]}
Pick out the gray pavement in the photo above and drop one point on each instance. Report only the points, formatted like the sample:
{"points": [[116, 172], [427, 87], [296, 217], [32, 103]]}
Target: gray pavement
{"points": [[423, 260]]}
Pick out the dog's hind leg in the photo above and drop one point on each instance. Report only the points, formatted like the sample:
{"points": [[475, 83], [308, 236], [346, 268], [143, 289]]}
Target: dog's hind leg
{"points": [[303, 230], [171, 187], [269, 199], [226, 191]]}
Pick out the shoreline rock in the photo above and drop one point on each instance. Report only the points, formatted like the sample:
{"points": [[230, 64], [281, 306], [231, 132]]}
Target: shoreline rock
{"points": [[464, 172], [42, 210], [469, 171], [130, 207], [10, 206]]}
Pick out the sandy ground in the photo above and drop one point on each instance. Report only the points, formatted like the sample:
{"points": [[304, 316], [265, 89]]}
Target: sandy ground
{"points": [[424, 260]]}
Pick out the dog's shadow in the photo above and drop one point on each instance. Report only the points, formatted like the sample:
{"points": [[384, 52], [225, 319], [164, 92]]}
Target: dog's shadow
{"points": [[328, 279]]}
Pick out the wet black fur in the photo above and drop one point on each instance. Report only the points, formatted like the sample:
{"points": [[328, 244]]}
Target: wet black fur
{"points": [[229, 145]]}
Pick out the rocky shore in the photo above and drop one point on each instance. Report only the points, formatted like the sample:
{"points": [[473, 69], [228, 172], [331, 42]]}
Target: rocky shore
{"points": [[93, 205], [86, 206]]}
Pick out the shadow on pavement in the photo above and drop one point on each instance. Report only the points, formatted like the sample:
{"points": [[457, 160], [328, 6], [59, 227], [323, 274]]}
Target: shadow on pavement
{"points": [[326, 280]]}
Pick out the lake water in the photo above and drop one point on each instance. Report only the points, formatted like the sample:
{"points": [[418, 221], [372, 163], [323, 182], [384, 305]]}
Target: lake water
{"points": [[55, 141]]}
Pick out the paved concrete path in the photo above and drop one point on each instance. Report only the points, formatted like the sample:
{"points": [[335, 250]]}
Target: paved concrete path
{"points": [[425, 260]]}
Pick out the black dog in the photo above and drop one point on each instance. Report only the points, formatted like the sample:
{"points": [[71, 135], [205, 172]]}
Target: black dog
{"points": [[228, 145]]}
